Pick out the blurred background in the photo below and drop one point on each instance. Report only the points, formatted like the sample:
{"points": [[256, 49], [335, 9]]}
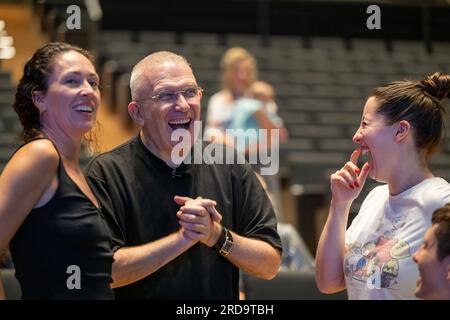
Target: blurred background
{"points": [[320, 57]]}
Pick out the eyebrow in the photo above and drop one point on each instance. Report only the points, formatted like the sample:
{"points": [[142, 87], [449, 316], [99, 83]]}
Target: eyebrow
{"points": [[80, 74], [176, 87]]}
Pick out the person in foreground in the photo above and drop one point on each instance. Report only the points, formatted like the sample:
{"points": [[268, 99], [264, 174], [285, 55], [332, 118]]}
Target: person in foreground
{"points": [[402, 124], [433, 258], [60, 244], [181, 231]]}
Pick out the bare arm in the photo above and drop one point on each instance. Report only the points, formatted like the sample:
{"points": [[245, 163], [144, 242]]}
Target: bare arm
{"points": [[23, 182], [331, 250], [132, 264], [135, 263], [346, 184], [264, 121], [255, 257]]}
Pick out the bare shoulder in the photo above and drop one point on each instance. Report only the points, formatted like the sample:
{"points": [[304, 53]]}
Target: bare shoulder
{"points": [[42, 147], [36, 155], [23, 182], [42, 151]]}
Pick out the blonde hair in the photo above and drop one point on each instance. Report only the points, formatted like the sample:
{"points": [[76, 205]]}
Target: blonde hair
{"points": [[230, 58]]}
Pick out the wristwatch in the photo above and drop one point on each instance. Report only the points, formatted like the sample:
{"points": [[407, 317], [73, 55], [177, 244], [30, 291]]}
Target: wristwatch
{"points": [[225, 242]]}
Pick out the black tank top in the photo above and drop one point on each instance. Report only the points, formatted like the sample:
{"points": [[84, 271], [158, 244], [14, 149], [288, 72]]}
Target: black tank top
{"points": [[63, 249]]}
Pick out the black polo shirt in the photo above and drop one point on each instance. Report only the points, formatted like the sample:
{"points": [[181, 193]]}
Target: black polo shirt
{"points": [[136, 190]]}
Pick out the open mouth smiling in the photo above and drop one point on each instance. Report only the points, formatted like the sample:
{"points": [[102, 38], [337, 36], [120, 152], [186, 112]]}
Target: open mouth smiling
{"points": [[183, 123]]}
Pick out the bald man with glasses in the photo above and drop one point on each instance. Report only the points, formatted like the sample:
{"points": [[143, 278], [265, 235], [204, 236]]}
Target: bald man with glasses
{"points": [[179, 230]]}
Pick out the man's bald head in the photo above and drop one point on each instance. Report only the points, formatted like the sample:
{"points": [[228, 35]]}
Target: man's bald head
{"points": [[139, 76]]}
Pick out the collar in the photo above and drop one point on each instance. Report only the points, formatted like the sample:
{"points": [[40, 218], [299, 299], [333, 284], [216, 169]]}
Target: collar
{"points": [[158, 163]]}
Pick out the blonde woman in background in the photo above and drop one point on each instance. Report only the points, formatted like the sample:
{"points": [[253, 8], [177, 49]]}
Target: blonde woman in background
{"points": [[239, 71], [245, 103]]}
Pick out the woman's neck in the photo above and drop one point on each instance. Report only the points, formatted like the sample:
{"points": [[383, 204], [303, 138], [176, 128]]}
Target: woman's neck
{"points": [[407, 176], [69, 147]]}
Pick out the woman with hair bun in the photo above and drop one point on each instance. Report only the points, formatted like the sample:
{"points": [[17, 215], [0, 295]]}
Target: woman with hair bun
{"points": [[60, 244], [402, 124]]}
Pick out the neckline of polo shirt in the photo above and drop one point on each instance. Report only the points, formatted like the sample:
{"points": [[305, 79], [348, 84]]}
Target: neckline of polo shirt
{"points": [[160, 164]]}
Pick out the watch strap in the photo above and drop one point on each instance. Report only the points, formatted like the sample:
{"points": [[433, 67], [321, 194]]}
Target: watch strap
{"points": [[225, 242], [222, 239]]}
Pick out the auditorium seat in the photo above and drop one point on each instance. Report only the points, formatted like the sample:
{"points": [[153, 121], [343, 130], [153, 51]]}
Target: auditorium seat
{"points": [[410, 46], [309, 104], [5, 80], [293, 90], [298, 117], [287, 285], [366, 79], [314, 130], [197, 38], [328, 43], [376, 45], [308, 168], [309, 77], [353, 104], [336, 144], [106, 37], [338, 118], [298, 144], [336, 91], [288, 42], [158, 37], [443, 47], [10, 128], [243, 40]]}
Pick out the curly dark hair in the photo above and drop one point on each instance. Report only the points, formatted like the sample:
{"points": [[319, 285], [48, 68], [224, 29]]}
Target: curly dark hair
{"points": [[36, 72]]}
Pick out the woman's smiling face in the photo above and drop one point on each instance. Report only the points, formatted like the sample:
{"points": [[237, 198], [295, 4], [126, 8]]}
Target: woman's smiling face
{"points": [[72, 98], [376, 138]]}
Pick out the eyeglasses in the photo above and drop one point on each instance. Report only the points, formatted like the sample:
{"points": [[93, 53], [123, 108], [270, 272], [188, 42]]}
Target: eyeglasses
{"points": [[169, 96]]}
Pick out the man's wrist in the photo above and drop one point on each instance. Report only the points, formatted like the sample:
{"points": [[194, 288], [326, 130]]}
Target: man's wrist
{"points": [[184, 239], [220, 237], [225, 242]]}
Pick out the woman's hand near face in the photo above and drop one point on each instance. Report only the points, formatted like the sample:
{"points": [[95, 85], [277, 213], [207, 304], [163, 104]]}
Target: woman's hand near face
{"points": [[347, 183]]}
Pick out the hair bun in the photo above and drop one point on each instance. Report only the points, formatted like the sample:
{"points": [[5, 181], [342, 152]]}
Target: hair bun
{"points": [[437, 85]]}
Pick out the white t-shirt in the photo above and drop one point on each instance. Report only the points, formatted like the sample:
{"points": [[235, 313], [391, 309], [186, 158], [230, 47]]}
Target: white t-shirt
{"points": [[220, 111], [384, 236]]}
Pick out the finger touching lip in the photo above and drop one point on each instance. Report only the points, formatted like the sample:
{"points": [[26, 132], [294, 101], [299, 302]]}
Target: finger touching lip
{"points": [[355, 155]]}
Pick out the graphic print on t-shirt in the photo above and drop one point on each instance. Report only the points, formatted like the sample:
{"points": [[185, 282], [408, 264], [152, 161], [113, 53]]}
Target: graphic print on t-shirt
{"points": [[376, 262]]}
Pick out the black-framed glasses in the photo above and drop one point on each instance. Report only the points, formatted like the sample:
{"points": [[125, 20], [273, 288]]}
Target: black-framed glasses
{"points": [[170, 96]]}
